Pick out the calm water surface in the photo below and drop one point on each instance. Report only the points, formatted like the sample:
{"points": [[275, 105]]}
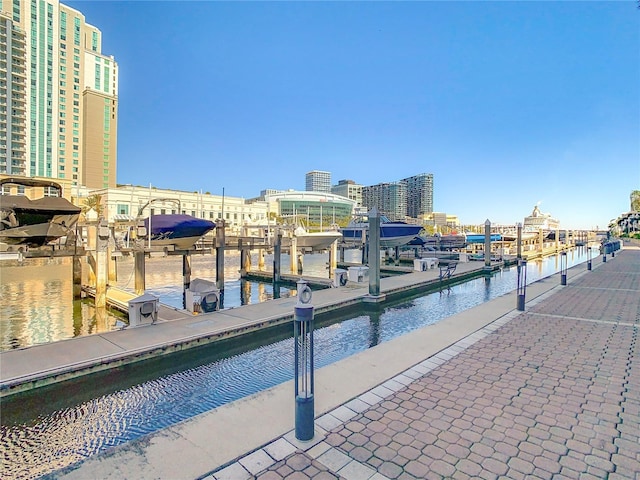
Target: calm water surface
{"points": [[44, 432]]}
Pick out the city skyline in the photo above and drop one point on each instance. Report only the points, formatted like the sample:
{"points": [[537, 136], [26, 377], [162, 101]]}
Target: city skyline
{"points": [[508, 104]]}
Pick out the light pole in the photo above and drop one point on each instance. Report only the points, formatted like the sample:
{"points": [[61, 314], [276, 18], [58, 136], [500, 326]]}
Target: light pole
{"points": [[522, 283], [303, 345], [563, 268]]}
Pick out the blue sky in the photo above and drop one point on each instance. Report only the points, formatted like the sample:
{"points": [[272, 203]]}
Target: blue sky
{"points": [[508, 104]]}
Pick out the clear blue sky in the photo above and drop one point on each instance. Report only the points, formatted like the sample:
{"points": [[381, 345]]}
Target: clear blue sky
{"points": [[508, 104]]}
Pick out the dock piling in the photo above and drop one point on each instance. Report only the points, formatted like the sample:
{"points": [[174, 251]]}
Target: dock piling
{"points": [[139, 281], [487, 244], [186, 277], [374, 249], [277, 248], [220, 242], [293, 254], [102, 244]]}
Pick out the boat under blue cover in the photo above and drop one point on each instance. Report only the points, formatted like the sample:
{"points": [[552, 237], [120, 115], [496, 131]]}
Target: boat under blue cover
{"points": [[180, 230]]}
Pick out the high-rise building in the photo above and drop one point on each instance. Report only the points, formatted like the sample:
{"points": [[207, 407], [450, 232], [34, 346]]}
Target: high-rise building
{"points": [[58, 95], [389, 198], [419, 195], [318, 181], [350, 190]]}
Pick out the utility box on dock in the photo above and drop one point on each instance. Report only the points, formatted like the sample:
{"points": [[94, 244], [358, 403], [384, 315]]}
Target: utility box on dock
{"points": [[340, 277], [359, 274], [420, 265], [143, 310], [202, 296]]}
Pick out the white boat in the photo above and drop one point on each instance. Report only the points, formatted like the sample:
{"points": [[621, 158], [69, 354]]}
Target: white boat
{"points": [[315, 240], [392, 234]]}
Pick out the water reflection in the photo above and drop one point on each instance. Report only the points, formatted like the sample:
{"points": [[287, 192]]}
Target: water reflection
{"points": [[38, 305]]}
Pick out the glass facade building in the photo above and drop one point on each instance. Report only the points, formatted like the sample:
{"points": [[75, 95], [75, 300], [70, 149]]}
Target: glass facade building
{"points": [[58, 95]]}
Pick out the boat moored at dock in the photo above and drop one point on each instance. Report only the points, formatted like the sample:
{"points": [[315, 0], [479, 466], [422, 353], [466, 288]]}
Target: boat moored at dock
{"points": [[178, 230], [392, 233], [35, 222]]}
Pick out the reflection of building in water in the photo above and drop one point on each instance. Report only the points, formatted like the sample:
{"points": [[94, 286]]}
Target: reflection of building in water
{"points": [[38, 305], [538, 220]]}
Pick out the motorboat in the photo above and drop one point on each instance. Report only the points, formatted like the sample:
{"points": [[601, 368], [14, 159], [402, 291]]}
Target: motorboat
{"points": [[178, 230], [35, 222], [392, 233], [315, 240], [440, 241]]}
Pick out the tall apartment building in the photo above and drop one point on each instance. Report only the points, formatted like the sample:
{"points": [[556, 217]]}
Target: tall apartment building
{"points": [[58, 95], [318, 181], [419, 195], [350, 190], [389, 198]]}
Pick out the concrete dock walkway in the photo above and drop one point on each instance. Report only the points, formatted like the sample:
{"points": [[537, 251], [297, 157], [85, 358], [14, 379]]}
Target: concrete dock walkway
{"points": [[551, 392]]}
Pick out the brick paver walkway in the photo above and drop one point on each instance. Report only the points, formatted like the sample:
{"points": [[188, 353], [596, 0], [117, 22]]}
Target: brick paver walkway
{"points": [[552, 392]]}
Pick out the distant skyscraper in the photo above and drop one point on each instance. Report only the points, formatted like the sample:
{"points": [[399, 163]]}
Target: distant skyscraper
{"points": [[389, 198], [318, 181], [58, 95], [419, 195], [348, 189]]}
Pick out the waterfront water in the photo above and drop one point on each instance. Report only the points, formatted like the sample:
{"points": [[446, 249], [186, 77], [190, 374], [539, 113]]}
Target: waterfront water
{"points": [[38, 305], [47, 431]]}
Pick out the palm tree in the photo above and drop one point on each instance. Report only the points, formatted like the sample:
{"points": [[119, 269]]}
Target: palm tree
{"points": [[93, 202]]}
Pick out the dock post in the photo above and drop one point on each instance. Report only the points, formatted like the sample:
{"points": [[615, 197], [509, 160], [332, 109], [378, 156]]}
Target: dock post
{"points": [[374, 252], [300, 256], [277, 249], [139, 260], [540, 240], [261, 259], [333, 258], [365, 247], [112, 266], [220, 242], [247, 260], [588, 258], [397, 259], [557, 240], [186, 276], [519, 241], [293, 254], [487, 244], [243, 272], [111, 260], [91, 254], [342, 253], [102, 244], [563, 268]]}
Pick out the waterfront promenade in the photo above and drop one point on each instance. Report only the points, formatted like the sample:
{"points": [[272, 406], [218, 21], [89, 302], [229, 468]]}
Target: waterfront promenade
{"points": [[552, 392]]}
